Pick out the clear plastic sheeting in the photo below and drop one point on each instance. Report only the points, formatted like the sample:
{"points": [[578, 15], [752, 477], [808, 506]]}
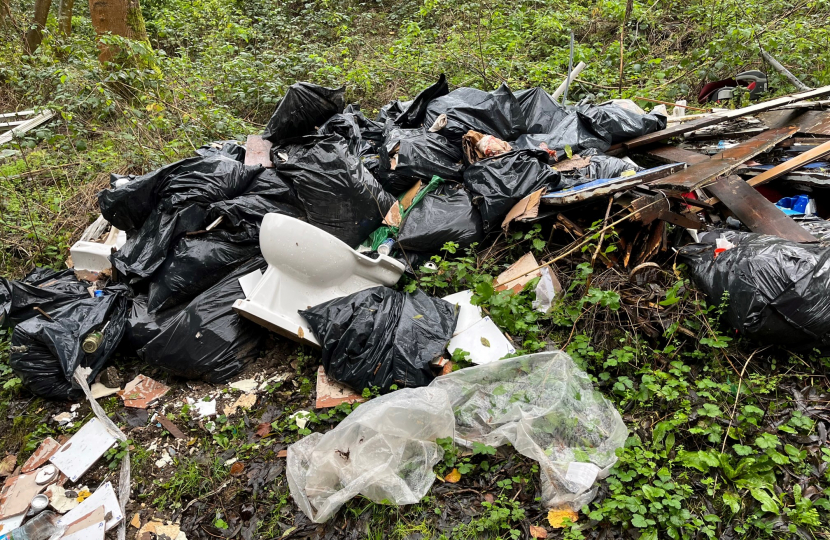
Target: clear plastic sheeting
{"points": [[548, 410], [385, 450], [542, 404]]}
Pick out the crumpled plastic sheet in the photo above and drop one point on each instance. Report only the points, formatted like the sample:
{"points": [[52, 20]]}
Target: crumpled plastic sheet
{"points": [[542, 404], [385, 450], [617, 124], [542, 112], [410, 114]]}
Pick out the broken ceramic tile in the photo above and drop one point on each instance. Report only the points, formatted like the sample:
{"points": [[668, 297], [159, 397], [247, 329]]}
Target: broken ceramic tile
{"points": [[84, 448], [103, 496], [142, 392], [47, 449], [331, 393], [17, 493], [245, 385], [245, 401]]}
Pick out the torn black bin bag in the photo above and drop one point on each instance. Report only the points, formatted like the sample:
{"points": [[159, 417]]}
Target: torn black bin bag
{"points": [[207, 339], [197, 262], [193, 180], [270, 193], [392, 110], [43, 288], [231, 149], [143, 326], [46, 352], [380, 337], [338, 194], [304, 107], [147, 247], [444, 215], [493, 113], [363, 135], [616, 124], [413, 114], [778, 290], [602, 166], [408, 155], [542, 112], [573, 131], [499, 182]]}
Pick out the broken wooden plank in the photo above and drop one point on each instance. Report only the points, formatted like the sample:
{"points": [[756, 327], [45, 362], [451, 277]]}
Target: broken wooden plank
{"points": [[755, 211], [725, 162], [790, 165], [679, 220], [719, 117], [807, 122], [675, 154], [171, 428]]}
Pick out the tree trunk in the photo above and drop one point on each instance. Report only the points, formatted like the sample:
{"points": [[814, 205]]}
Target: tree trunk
{"points": [[65, 16], [5, 14], [35, 35], [119, 17]]}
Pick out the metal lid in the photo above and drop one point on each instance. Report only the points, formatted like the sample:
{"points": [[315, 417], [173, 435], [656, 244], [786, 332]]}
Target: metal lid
{"points": [[46, 474]]}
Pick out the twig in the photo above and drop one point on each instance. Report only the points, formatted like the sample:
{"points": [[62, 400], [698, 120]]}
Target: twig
{"points": [[738, 395], [212, 493]]}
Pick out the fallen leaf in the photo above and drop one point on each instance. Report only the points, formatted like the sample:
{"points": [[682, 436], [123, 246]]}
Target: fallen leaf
{"points": [[282, 453], [237, 468], [453, 477], [300, 332], [263, 429], [538, 532], [419, 316], [136, 521], [485, 342], [8, 464], [489, 497], [556, 518]]}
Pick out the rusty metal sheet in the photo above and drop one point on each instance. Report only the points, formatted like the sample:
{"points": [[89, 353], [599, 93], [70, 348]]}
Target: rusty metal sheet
{"points": [[606, 186], [727, 161], [755, 211], [258, 151], [719, 117]]}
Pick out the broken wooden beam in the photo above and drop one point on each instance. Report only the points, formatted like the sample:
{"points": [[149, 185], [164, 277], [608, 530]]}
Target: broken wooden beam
{"points": [[726, 162], [675, 154], [723, 116], [790, 165], [755, 211]]}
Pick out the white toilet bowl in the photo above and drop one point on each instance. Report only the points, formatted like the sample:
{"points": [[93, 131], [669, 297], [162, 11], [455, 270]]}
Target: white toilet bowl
{"points": [[306, 267]]}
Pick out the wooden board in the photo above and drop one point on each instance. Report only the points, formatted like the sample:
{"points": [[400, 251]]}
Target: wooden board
{"points": [[674, 154], [755, 211], [790, 165], [719, 117], [807, 122], [703, 172]]}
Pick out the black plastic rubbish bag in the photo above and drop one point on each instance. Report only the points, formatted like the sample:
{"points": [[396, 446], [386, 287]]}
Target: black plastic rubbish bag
{"points": [[46, 352], [494, 113], [363, 135], [778, 290], [602, 166], [573, 131], [270, 193], [43, 288], [616, 124], [304, 107], [413, 114], [196, 263], [143, 326], [193, 180], [444, 215], [380, 337], [499, 182], [408, 155], [146, 249], [542, 113], [207, 339], [231, 149], [338, 194]]}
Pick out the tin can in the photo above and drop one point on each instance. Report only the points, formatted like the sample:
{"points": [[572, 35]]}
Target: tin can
{"points": [[386, 247], [92, 342]]}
